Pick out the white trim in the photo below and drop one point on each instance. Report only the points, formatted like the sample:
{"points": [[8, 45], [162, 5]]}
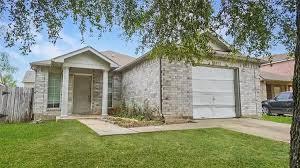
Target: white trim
{"points": [[92, 88], [61, 58], [104, 93], [82, 74], [65, 91]]}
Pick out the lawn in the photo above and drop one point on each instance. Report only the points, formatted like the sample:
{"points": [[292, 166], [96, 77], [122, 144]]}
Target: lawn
{"points": [[71, 144], [279, 119]]}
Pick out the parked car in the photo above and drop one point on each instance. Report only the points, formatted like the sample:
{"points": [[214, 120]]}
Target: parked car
{"points": [[280, 104]]}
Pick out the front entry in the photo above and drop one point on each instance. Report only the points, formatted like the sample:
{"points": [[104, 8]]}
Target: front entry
{"points": [[82, 94]]}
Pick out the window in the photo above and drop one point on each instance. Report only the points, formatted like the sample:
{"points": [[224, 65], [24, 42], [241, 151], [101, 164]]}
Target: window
{"points": [[283, 96], [54, 87], [110, 83]]}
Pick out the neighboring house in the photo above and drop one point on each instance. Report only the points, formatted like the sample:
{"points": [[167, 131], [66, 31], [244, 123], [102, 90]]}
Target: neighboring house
{"points": [[86, 81], [276, 75], [29, 79]]}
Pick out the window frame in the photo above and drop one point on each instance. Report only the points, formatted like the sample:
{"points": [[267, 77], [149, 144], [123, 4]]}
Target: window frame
{"points": [[52, 104]]}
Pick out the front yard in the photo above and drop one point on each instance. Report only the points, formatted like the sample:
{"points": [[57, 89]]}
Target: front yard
{"points": [[279, 119], [71, 144]]}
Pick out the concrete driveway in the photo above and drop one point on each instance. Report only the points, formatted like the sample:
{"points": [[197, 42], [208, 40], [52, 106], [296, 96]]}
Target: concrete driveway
{"points": [[265, 129]]}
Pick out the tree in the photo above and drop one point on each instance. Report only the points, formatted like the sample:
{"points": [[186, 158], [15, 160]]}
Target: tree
{"points": [[6, 71], [8, 80], [174, 29]]}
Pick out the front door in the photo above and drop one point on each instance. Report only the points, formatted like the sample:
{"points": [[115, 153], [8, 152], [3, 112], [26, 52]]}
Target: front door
{"points": [[82, 94]]}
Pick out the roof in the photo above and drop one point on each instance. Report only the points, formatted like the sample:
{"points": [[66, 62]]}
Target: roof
{"points": [[219, 54], [44, 62], [278, 58], [120, 59], [29, 77], [274, 77], [61, 58]]}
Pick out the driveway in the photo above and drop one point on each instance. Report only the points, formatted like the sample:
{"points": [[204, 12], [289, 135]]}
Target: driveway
{"points": [[265, 129]]}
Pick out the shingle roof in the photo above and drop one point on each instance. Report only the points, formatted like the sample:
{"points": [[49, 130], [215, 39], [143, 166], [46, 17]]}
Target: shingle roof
{"points": [[277, 58], [29, 76], [274, 77], [119, 58], [44, 62], [116, 58]]}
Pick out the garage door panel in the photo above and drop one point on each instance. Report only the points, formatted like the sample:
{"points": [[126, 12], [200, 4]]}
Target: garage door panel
{"points": [[212, 73], [213, 86], [200, 98], [213, 92], [201, 112]]}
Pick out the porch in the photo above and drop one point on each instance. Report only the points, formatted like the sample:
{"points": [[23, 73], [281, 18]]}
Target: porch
{"points": [[84, 92], [73, 84]]}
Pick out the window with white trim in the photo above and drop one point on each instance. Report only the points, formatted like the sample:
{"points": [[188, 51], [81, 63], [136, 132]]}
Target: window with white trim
{"points": [[54, 88]]}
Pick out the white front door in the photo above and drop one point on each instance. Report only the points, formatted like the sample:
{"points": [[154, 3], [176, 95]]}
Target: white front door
{"points": [[213, 92], [82, 94]]}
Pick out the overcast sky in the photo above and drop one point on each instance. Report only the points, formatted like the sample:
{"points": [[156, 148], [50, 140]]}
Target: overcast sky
{"points": [[70, 40]]}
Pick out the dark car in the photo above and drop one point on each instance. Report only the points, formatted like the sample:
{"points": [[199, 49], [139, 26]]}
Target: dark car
{"points": [[281, 104]]}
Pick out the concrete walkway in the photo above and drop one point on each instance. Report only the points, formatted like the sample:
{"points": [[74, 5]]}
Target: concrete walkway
{"points": [[266, 129]]}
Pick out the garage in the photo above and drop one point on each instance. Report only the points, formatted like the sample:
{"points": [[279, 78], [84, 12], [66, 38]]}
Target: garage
{"points": [[213, 92]]}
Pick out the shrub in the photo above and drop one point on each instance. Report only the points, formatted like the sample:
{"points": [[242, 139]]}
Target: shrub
{"points": [[139, 112]]}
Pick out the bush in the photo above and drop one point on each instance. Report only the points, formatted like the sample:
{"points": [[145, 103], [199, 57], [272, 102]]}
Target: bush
{"points": [[132, 110]]}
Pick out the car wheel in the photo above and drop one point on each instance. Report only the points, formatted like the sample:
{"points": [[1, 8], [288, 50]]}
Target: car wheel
{"points": [[266, 110]]}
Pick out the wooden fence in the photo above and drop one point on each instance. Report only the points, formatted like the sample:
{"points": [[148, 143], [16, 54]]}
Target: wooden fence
{"points": [[16, 104]]}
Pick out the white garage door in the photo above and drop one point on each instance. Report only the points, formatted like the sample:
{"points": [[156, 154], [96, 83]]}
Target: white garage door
{"points": [[213, 93]]}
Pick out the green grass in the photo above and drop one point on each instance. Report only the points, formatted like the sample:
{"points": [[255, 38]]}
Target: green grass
{"points": [[71, 144], [279, 119]]}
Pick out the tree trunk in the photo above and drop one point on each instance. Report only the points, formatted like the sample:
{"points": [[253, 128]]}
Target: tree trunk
{"points": [[295, 127]]}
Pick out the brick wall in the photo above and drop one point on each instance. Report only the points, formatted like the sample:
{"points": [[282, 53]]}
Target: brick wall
{"points": [[142, 83], [250, 90], [176, 89], [41, 92], [97, 91], [116, 89]]}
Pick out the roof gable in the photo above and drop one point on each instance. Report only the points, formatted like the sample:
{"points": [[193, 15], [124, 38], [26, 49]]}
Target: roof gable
{"points": [[217, 43], [86, 60], [29, 77], [61, 59]]}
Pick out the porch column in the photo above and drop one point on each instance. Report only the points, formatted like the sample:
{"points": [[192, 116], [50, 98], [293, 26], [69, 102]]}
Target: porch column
{"points": [[104, 93], [65, 89]]}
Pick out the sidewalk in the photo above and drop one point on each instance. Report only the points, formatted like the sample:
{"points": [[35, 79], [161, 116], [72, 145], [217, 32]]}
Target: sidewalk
{"points": [[265, 129]]}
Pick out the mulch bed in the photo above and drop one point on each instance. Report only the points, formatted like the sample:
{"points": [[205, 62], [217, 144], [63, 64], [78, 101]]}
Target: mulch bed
{"points": [[130, 122]]}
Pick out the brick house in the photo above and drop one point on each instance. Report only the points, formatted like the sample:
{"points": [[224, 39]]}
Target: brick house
{"points": [[276, 75], [87, 81]]}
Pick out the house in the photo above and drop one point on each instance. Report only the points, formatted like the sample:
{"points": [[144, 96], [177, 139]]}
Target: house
{"points": [[29, 79], [87, 81], [276, 75]]}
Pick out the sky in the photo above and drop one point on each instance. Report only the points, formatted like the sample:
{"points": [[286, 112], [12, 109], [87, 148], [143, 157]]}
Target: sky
{"points": [[71, 40]]}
